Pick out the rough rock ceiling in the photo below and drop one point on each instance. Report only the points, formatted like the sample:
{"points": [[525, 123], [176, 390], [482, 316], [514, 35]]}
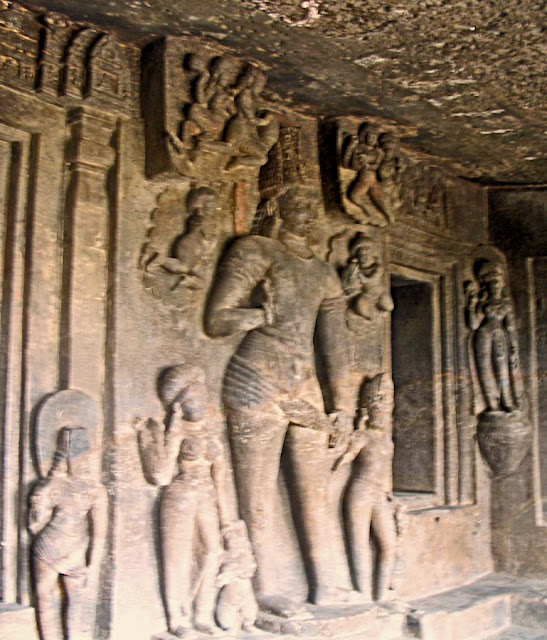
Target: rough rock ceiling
{"points": [[465, 79]]}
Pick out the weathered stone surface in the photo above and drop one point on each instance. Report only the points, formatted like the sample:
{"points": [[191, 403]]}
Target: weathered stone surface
{"points": [[464, 80], [243, 350]]}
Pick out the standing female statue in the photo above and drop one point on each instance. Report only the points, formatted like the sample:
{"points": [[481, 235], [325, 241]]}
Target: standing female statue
{"points": [[183, 456], [490, 315]]}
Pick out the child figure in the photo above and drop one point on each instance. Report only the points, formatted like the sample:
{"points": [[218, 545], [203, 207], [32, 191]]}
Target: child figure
{"points": [[236, 606], [192, 500], [369, 498]]}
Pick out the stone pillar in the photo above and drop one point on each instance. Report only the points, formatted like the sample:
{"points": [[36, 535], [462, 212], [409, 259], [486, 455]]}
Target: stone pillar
{"points": [[91, 158]]}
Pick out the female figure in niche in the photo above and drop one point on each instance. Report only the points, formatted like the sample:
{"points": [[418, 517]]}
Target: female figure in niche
{"points": [[490, 314], [369, 498], [68, 516], [191, 502]]}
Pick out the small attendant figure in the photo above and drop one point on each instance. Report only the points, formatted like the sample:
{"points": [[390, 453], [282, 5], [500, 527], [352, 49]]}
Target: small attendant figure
{"points": [[68, 518]]}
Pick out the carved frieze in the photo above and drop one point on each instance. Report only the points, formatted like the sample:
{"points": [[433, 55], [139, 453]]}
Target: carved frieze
{"points": [[204, 113], [65, 61], [19, 46]]}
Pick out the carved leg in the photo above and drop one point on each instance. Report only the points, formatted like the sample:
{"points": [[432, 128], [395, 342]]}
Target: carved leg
{"points": [[308, 451], [500, 357], [209, 530], [177, 525], [48, 595], [256, 440], [75, 588], [385, 534], [483, 358], [359, 503]]}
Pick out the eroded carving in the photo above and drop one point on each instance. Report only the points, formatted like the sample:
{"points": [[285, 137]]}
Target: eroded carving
{"points": [[183, 454], [67, 516], [19, 45], [503, 430], [363, 279], [279, 294], [378, 163], [180, 247], [236, 606], [369, 498], [424, 193], [226, 117]]}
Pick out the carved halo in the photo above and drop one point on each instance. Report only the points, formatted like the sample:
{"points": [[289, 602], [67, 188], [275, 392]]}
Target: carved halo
{"points": [[67, 407]]}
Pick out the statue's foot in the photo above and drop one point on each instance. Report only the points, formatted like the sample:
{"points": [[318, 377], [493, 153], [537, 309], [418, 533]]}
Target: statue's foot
{"points": [[181, 631], [283, 607], [207, 626], [329, 596]]}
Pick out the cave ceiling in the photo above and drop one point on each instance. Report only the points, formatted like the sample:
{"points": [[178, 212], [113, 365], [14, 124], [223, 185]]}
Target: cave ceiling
{"points": [[463, 80]]}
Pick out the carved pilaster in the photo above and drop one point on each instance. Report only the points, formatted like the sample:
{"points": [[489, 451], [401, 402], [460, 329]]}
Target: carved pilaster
{"points": [[90, 156]]}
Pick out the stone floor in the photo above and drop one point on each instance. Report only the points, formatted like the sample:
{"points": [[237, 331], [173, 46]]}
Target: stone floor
{"points": [[496, 607]]}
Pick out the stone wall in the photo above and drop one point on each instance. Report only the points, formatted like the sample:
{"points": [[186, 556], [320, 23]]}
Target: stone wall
{"points": [[146, 195]]}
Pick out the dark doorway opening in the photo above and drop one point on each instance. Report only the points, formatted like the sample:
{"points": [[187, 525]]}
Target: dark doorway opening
{"points": [[413, 367]]}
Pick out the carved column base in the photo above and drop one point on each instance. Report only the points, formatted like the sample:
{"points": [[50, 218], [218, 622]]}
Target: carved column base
{"points": [[504, 440]]}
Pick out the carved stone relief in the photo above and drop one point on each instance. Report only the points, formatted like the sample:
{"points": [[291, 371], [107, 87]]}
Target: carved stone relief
{"points": [[371, 167], [424, 193], [358, 255], [213, 121], [276, 291], [178, 257], [503, 430], [184, 454], [67, 516], [19, 36], [369, 497], [65, 61], [297, 381]]}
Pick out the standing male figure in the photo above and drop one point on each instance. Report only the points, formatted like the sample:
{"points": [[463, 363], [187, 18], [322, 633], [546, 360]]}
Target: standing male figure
{"points": [[285, 299]]}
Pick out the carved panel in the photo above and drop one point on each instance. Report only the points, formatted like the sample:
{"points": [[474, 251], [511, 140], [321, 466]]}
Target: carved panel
{"points": [[371, 167], [182, 244], [19, 36], [424, 194], [205, 115]]}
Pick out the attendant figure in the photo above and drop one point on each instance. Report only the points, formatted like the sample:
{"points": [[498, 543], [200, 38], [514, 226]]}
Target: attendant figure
{"points": [[68, 518], [185, 457], [369, 498]]}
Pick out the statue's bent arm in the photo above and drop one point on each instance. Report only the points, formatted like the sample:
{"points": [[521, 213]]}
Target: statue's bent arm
{"points": [[240, 272]]}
